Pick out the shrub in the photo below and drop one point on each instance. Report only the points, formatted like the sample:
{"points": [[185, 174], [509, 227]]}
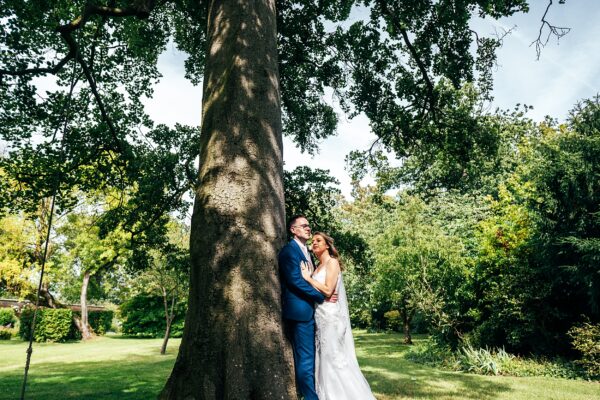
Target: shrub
{"points": [[432, 354], [52, 325], [144, 316], [5, 333], [7, 317], [586, 339], [100, 321], [489, 362], [483, 361], [392, 320]]}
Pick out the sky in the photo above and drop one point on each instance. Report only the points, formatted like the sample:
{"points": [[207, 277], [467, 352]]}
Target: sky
{"points": [[567, 72]]}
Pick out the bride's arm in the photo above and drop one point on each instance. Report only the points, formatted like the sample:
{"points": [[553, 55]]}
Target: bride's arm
{"points": [[332, 270]]}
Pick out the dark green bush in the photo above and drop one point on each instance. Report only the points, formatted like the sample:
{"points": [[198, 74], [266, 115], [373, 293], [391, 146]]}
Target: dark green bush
{"points": [[586, 339], [144, 316], [52, 325], [100, 320], [7, 317]]}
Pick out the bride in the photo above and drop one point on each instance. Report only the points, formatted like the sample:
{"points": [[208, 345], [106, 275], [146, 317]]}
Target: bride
{"points": [[337, 374]]}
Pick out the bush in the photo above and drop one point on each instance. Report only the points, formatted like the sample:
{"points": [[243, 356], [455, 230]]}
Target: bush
{"points": [[393, 321], [489, 362], [586, 339], [52, 325], [432, 354], [5, 333], [100, 321], [483, 361], [144, 316], [7, 317]]}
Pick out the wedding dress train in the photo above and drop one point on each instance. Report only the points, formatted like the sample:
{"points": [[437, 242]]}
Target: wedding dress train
{"points": [[337, 374]]}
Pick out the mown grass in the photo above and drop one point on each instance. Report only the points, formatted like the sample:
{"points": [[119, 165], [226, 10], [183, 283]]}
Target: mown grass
{"points": [[105, 368], [381, 357], [117, 368]]}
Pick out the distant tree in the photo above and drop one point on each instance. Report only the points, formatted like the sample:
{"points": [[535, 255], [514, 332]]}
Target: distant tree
{"points": [[167, 275], [90, 254]]}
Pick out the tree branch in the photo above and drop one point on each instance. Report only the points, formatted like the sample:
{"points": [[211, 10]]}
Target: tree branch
{"points": [[141, 10], [413, 52], [557, 31], [40, 71]]}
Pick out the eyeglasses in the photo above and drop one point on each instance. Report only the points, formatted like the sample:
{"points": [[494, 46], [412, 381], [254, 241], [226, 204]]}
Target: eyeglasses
{"points": [[303, 226]]}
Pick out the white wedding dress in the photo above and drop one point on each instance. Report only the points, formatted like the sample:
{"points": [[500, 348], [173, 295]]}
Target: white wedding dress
{"points": [[337, 374]]}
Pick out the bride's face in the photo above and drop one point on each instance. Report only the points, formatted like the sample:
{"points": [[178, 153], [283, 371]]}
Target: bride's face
{"points": [[319, 245]]}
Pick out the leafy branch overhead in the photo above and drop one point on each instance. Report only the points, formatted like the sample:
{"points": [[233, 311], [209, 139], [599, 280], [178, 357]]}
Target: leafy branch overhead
{"points": [[107, 139], [408, 66]]}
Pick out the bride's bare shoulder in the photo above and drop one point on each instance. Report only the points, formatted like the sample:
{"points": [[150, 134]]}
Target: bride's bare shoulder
{"points": [[333, 264]]}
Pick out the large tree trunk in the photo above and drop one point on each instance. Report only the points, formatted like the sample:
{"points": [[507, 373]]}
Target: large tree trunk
{"points": [[86, 332], [233, 346]]}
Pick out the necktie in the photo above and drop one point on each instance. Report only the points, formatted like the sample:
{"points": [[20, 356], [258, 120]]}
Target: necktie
{"points": [[310, 264]]}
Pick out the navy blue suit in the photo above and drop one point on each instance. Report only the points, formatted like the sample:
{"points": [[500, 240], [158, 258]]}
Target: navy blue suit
{"points": [[298, 303]]}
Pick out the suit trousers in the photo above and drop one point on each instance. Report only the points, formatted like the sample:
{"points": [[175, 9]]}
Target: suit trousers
{"points": [[302, 336]]}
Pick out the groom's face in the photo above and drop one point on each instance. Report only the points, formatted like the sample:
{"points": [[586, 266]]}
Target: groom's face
{"points": [[301, 229]]}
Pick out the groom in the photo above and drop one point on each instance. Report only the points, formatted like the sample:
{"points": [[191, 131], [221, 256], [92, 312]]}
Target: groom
{"points": [[298, 303]]}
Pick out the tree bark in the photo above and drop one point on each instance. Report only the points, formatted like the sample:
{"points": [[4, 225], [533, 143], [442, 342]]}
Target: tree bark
{"points": [[233, 345], [86, 332], [407, 316]]}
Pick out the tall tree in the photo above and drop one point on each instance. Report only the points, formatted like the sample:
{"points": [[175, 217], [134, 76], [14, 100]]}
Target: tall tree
{"points": [[90, 255], [385, 65]]}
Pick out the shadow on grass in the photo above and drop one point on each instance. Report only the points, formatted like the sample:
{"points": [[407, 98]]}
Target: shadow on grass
{"points": [[391, 376], [137, 378]]}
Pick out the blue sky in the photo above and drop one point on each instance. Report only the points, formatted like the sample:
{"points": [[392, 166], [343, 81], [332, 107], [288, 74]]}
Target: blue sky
{"points": [[567, 72]]}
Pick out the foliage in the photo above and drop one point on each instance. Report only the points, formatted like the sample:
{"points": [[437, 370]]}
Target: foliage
{"points": [[483, 361], [416, 267], [586, 339], [100, 320], [311, 192], [144, 316], [393, 321], [20, 245], [6, 333], [486, 361], [52, 325], [7, 317]]}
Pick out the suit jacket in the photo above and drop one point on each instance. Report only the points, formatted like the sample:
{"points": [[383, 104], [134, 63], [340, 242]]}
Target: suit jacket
{"points": [[298, 297]]}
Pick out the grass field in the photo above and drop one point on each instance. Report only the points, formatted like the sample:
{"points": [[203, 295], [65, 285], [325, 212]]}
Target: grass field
{"points": [[116, 368]]}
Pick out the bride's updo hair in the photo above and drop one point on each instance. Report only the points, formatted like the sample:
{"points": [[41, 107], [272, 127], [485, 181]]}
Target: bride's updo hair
{"points": [[331, 250]]}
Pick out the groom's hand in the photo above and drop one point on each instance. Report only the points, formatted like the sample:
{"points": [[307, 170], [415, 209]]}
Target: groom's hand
{"points": [[333, 298]]}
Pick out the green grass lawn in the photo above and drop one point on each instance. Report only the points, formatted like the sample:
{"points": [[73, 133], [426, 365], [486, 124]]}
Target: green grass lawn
{"points": [[116, 368]]}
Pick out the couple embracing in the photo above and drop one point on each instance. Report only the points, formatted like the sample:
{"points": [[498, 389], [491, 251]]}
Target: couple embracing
{"points": [[315, 313]]}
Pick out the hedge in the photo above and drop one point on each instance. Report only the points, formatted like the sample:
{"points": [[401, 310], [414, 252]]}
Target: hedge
{"points": [[52, 325]]}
